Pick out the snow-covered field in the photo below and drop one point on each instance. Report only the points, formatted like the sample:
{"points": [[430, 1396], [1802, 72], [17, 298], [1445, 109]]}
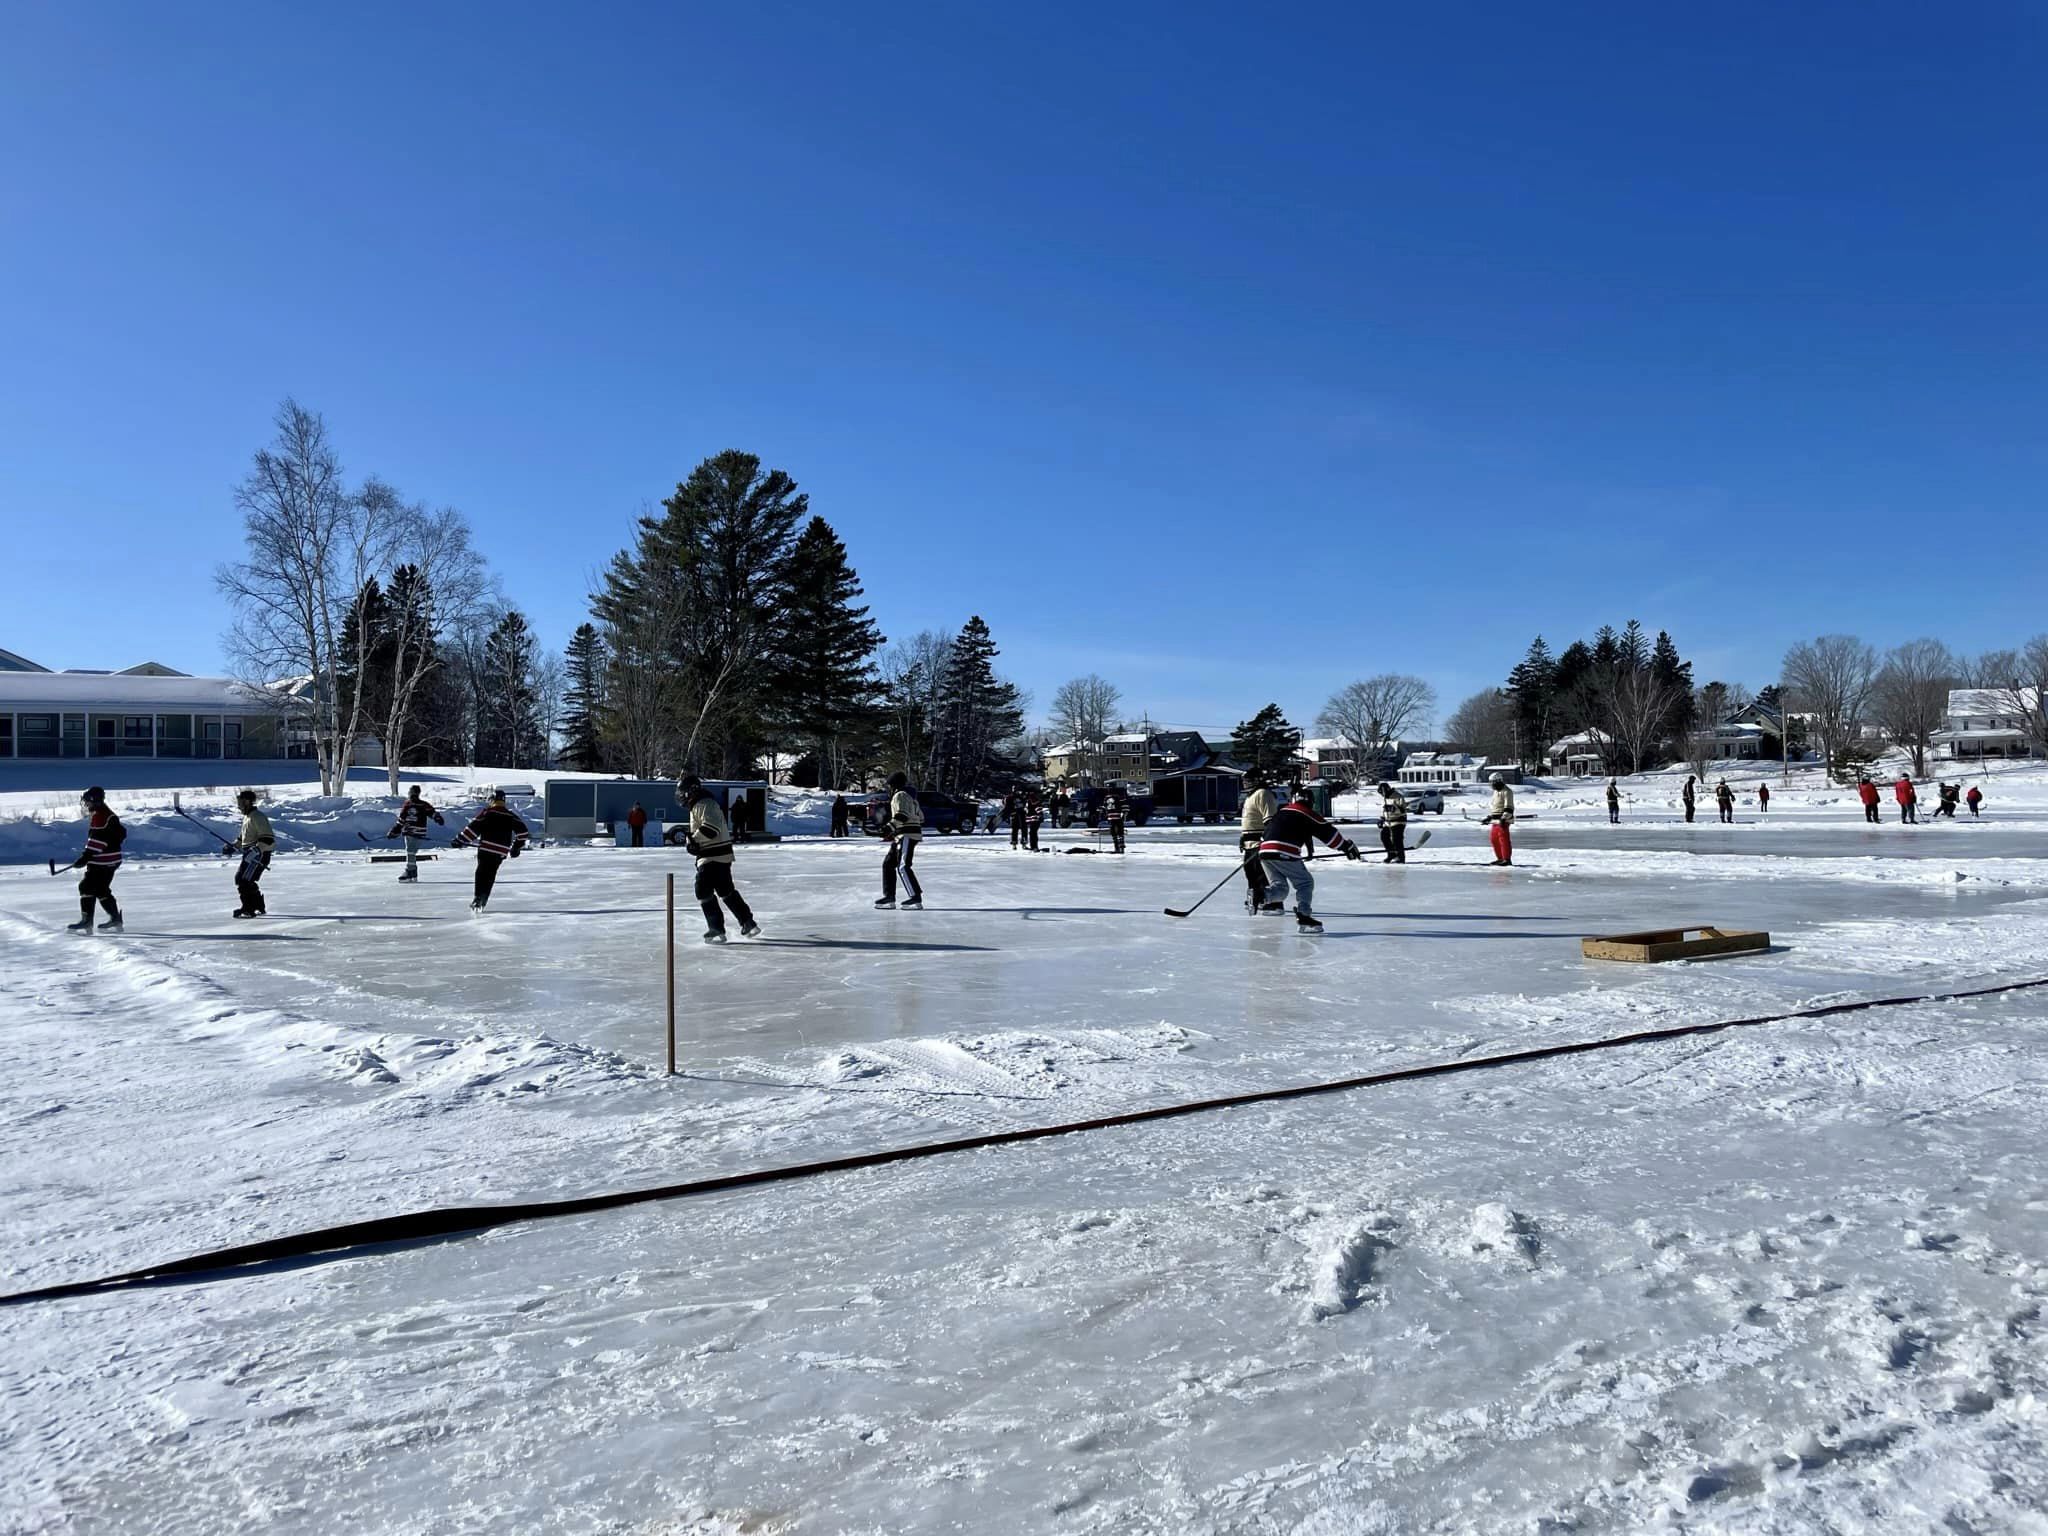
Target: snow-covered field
{"points": [[1784, 1279]]}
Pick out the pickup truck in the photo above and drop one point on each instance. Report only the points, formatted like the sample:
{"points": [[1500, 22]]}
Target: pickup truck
{"points": [[942, 812]]}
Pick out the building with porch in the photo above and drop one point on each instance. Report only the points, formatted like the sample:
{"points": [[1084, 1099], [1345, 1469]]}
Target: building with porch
{"points": [[150, 711], [1987, 722]]}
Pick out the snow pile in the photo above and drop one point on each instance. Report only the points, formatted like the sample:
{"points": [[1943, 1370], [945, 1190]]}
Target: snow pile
{"points": [[334, 823]]}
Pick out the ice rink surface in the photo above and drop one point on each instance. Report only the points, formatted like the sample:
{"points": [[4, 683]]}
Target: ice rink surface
{"points": [[1783, 1280]]}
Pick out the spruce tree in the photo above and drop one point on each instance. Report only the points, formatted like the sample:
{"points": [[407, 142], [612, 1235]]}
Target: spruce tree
{"points": [[1674, 675], [823, 685], [510, 732], [583, 704], [1533, 687], [1266, 744], [977, 710]]}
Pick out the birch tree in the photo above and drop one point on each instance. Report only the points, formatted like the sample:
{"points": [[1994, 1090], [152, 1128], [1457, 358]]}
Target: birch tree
{"points": [[311, 551]]}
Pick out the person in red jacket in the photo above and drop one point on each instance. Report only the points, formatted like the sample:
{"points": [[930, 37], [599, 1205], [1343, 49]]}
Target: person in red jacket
{"points": [[104, 835], [636, 821], [1763, 797], [1867, 793], [1974, 799], [1909, 801]]}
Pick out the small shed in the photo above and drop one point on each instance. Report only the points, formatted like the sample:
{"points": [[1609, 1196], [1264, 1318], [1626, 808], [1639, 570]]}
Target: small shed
{"points": [[1207, 789]]}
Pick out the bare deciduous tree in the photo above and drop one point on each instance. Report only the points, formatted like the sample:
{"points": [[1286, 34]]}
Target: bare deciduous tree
{"points": [[1909, 696], [1374, 713], [1635, 704], [913, 672], [1832, 677], [312, 548], [447, 584], [1484, 725], [1084, 712], [2019, 687]]}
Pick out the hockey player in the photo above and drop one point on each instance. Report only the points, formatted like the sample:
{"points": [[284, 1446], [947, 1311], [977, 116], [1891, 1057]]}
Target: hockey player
{"points": [[841, 819], [1909, 801], [1393, 823], [1867, 793], [1613, 803], [1950, 798], [1763, 797], [1115, 808], [1974, 799], [1284, 851], [1501, 816], [411, 825], [1034, 818], [1724, 799], [1260, 806], [104, 835], [711, 841], [1013, 813], [498, 835], [1686, 795], [904, 827], [255, 843]]}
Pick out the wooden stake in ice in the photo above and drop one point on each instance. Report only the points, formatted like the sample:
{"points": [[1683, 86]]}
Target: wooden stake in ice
{"points": [[671, 973]]}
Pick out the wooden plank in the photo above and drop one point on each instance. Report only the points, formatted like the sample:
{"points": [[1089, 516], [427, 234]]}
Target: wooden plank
{"points": [[1673, 944]]}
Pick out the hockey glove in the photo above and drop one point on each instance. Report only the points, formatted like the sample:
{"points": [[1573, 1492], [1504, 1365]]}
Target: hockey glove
{"points": [[515, 849], [1351, 850]]}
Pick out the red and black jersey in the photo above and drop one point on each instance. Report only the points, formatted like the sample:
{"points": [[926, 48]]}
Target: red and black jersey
{"points": [[1115, 808], [413, 817], [104, 835], [496, 831], [1293, 828]]}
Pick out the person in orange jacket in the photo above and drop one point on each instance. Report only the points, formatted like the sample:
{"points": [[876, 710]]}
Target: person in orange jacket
{"points": [[1909, 801], [1974, 799], [1867, 793], [636, 821]]}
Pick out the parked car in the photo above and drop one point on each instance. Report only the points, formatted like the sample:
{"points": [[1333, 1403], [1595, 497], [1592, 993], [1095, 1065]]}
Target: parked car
{"points": [[942, 812], [1088, 799], [1423, 797]]}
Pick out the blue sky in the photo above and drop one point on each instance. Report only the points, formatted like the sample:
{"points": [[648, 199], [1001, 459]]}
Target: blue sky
{"points": [[1230, 353]]}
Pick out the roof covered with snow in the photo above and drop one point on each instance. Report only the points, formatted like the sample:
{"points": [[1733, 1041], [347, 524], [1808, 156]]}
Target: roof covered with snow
{"points": [[1968, 703], [114, 693]]}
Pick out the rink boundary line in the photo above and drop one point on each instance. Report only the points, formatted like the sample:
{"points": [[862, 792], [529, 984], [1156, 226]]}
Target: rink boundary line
{"points": [[331, 1244]]}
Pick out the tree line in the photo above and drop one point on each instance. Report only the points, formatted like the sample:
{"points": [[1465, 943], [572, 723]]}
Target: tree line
{"points": [[732, 631], [1632, 701], [368, 615]]}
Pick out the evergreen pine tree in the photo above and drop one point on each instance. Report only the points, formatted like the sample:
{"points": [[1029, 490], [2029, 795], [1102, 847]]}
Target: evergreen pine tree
{"points": [[510, 732], [583, 712], [823, 684], [1266, 744], [1674, 675], [977, 710], [1533, 687]]}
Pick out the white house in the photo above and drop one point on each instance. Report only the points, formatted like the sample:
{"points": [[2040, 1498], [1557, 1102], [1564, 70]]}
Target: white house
{"points": [[1450, 769], [1987, 722], [1339, 757], [1583, 754]]}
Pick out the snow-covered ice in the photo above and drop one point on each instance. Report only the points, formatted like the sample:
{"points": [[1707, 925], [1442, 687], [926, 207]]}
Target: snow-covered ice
{"points": [[1783, 1279]]}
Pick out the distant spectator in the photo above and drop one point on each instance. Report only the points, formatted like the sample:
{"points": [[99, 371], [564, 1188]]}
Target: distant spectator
{"points": [[636, 823], [1763, 797]]}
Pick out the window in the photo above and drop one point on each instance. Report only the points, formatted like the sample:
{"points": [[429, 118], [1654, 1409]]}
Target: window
{"points": [[6, 735], [36, 736]]}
